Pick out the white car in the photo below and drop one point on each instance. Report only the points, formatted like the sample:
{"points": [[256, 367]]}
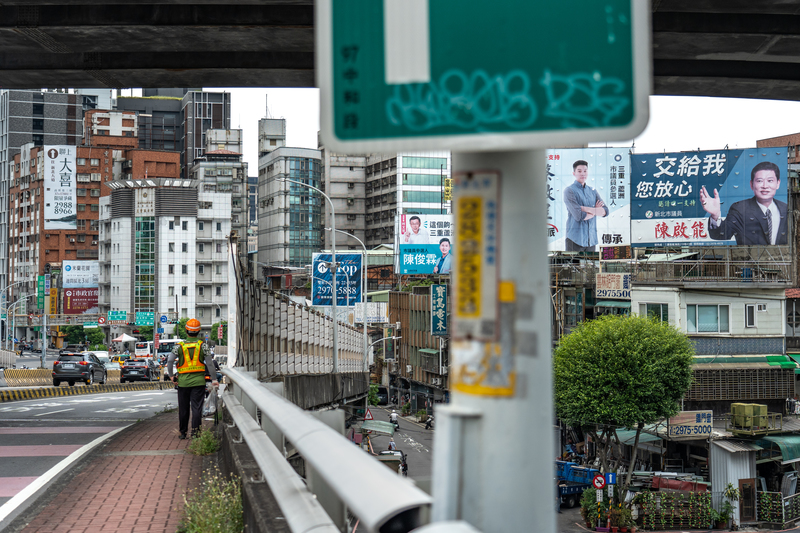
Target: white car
{"points": [[100, 354]]}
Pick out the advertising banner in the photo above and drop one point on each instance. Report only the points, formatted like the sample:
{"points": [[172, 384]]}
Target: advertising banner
{"points": [[588, 198], [79, 274], [613, 286], [691, 424], [81, 301], [60, 182], [348, 280], [424, 244], [53, 301], [377, 312], [718, 197]]}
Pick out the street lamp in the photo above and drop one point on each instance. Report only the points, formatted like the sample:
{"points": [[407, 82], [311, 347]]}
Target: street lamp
{"points": [[5, 320], [14, 317], [333, 277], [363, 291]]}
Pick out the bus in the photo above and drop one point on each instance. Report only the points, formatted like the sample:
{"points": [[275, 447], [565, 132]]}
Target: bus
{"points": [[165, 346]]}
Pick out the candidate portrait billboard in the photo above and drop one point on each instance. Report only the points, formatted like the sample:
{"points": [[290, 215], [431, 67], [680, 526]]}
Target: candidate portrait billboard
{"points": [[588, 198], [60, 182], [712, 197], [348, 280], [424, 244]]}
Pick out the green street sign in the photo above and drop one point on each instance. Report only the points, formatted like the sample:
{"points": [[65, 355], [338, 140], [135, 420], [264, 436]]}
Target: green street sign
{"points": [[90, 325], [455, 74], [40, 292], [144, 318], [117, 316]]}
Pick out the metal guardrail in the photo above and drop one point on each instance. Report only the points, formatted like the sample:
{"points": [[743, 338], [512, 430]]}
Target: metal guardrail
{"points": [[341, 473]]}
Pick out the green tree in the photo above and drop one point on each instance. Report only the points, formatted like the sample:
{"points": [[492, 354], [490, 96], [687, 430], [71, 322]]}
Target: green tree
{"points": [[180, 329], [373, 394], [215, 329], [620, 371], [78, 335], [146, 332]]}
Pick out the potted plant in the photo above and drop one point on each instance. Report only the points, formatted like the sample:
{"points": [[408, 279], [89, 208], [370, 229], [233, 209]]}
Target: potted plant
{"points": [[614, 519], [717, 521], [405, 409], [625, 519], [589, 507], [731, 495], [422, 415]]}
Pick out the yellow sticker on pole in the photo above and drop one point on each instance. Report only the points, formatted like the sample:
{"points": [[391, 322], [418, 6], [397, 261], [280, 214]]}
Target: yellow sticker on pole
{"points": [[476, 254]]}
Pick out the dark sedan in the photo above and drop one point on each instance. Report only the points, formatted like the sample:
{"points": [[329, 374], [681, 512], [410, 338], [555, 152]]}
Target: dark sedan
{"points": [[72, 367], [139, 370]]}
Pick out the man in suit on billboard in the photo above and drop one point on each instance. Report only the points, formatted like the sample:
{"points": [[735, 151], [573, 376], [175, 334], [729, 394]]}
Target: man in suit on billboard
{"points": [[757, 220]]}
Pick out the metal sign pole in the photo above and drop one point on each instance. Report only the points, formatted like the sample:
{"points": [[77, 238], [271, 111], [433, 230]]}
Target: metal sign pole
{"points": [[472, 481]]}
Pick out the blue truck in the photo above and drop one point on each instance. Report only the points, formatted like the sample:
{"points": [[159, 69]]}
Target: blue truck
{"points": [[572, 481]]}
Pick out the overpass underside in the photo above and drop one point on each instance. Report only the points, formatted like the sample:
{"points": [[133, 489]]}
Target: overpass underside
{"points": [[733, 48]]}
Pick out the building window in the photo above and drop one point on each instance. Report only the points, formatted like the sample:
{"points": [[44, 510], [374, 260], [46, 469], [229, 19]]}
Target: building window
{"points": [[219, 269], [185, 225], [218, 312], [171, 224], [172, 290], [94, 162], [201, 247], [219, 226], [200, 312], [80, 192], [172, 247], [201, 269], [200, 290], [200, 226], [219, 249], [172, 269], [750, 315], [81, 207], [707, 319], [185, 289], [95, 193], [659, 311], [184, 269], [219, 290], [94, 208], [184, 247], [184, 313]]}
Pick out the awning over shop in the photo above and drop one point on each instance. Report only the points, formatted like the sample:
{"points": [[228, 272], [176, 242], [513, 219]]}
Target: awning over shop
{"points": [[377, 426], [429, 351], [628, 436], [789, 445], [737, 446], [613, 303], [796, 358], [778, 360]]}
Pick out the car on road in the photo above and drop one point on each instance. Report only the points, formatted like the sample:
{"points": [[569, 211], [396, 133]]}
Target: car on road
{"points": [[101, 354], [74, 367], [139, 370], [383, 396]]}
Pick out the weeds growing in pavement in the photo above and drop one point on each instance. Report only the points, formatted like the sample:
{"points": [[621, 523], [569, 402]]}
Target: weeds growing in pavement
{"points": [[169, 408], [213, 507], [205, 443]]}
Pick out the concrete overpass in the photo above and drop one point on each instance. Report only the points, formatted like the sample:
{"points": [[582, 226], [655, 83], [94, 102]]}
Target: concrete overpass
{"points": [[735, 48]]}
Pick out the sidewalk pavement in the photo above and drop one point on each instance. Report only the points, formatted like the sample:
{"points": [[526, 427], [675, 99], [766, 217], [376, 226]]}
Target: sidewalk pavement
{"points": [[135, 484]]}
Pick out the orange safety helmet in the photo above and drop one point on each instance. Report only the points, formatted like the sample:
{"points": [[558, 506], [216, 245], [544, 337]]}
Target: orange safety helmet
{"points": [[193, 326]]}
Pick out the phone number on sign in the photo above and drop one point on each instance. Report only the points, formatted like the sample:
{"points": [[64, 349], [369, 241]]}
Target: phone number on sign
{"points": [[689, 430], [613, 293]]}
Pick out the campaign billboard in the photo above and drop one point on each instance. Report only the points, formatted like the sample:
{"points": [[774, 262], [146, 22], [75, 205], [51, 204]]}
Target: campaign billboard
{"points": [[424, 244], [588, 198], [712, 197], [60, 182], [79, 274], [348, 280]]}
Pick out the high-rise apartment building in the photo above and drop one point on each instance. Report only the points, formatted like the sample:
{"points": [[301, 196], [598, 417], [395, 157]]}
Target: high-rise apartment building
{"points": [[343, 182], [200, 112], [409, 183], [31, 116]]}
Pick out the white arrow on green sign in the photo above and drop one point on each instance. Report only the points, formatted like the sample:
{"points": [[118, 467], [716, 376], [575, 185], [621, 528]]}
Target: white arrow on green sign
{"points": [[454, 74]]}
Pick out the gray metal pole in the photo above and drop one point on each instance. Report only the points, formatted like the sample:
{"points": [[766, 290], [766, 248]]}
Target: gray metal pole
{"points": [[472, 481]]}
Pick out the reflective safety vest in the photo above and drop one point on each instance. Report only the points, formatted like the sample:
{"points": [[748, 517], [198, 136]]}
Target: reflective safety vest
{"points": [[192, 362]]}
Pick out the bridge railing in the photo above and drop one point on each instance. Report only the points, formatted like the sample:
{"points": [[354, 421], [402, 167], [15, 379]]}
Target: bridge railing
{"points": [[339, 473]]}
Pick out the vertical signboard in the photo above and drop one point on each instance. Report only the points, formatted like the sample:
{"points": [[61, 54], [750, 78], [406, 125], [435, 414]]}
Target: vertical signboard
{"points": [[40, 292], [348, 280], [477, 206], [53, 301], [439, 320], [60, 182], [388, 353], [424, 244], [588, 198], [716, 197]]}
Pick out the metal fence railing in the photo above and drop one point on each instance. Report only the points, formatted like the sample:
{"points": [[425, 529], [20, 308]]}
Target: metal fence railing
{"points": [[339, 474]]}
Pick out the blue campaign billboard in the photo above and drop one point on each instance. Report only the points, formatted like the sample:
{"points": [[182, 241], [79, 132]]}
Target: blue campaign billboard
{"points": [[424, 244], [714, 197], [348, 280]]}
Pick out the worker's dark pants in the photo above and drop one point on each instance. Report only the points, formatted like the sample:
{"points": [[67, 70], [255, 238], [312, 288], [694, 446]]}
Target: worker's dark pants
{"points": [[190, 397]]}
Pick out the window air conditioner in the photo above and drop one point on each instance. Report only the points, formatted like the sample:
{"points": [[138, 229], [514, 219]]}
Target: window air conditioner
{"points": [[437, 381], [408, 368], [72, 240]]}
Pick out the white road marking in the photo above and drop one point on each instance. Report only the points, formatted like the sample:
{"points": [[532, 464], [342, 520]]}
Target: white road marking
{"points": [[54, 412]]}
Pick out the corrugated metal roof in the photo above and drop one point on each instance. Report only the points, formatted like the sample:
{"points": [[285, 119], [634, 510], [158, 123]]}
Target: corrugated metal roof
{"points": [[731, 366], [735, 446], [657, 258]]}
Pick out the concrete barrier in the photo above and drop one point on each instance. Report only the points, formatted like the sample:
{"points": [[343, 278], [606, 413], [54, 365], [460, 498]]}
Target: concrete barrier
{"points": [[11, 395], [17, 377]]}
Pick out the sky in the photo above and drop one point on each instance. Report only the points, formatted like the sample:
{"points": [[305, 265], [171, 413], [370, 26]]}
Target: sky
{"points": [[677, 123]]}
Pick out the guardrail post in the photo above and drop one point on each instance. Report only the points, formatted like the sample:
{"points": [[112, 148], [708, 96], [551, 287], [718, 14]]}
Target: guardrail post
{"points": [[269, 428], [327, 497]]}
